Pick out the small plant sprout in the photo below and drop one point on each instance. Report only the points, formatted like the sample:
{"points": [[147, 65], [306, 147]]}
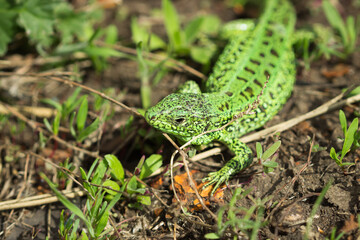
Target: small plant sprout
{"points": [[67, 114], [346, 29], [105, 184], [191, 40], [240, 220], [316, 147], [351, 139], [82, 131], [264, 157]]}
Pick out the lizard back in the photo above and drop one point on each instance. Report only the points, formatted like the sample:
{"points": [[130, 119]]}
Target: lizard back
{"points": [[250, 59]]}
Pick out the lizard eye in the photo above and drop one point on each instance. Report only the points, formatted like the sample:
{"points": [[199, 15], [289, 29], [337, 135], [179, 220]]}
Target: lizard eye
{"points": [[179, 120]]}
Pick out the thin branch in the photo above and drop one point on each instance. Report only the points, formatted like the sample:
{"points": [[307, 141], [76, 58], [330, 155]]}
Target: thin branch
{"points": [[308, 162], [89, 89], [38, 200], [56, 77], [249, 110], [35, 127], [191, 181], [325, 108], [178, 65]]}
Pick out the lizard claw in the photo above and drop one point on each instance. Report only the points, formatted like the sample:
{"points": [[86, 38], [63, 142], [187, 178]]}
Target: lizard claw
{"points": [[215, 177]]}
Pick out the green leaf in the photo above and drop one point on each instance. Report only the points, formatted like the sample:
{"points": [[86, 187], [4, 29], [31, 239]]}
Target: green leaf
{"points": [[270, 164], [145, 200], [139, 34], [94, 210], [101, 223], [69, 223], [71, 103], [51, 102], [116, 167], [349, 137], [172, 24], [151, 164], [93, 165], [99, 172], [210, 24], [69, 23], [47, 124], [212, 236], [7, 25], [87, 131], [75, 229], [105, 216], [69, 49], [72, 128], [193, 29], [82, 114], [343, 122], [56, 123], [259, 150], [202, 55], [61, 225], [271, 150], [132, 186], [316, 206], [111, 34], [357, 139], [83, 174], [355, 91], [36, 16], [104, 52], [352, 34], [335, 20], [83, 236], [145, 90], [113, 185], [334, 156], [347, 163], [268, 170], [72, 207]]}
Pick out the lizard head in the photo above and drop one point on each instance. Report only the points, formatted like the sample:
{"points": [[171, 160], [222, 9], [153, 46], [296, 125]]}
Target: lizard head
{"points": [[182, 114]]}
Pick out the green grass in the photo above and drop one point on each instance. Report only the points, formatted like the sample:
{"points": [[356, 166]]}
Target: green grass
{"points": [[263, 157], [351, 140], [318, 40], [105, 184], [235, 220]]}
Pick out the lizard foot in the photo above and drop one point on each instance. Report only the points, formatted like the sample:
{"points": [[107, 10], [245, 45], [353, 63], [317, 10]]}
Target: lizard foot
{"points": [[216, 178]]}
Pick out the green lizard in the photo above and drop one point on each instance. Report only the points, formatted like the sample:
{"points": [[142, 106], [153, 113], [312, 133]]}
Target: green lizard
{"points": [[258, 59]]}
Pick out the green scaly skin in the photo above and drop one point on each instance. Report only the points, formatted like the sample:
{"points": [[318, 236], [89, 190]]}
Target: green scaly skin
{"points": [[254, 55]]}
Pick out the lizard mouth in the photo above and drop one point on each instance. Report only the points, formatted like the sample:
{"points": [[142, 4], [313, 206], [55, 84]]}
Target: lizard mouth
{"points": [[165, 126], [168, 128]]}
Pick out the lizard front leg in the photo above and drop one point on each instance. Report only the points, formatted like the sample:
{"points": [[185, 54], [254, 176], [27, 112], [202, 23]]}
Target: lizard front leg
{"points": [[189, 86], [243, 158]]}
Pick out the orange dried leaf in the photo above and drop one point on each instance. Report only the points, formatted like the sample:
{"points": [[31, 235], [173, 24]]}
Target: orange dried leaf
{"points": [[183, 181], [58, 155], [157, 183], [338, 71], [304, 126], [187, 195], [109, 3], [158, 211], [350, 225], [321, 231]]}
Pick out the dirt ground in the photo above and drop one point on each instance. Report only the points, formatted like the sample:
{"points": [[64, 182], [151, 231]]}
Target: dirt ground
{"points": [[295, 184]]}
